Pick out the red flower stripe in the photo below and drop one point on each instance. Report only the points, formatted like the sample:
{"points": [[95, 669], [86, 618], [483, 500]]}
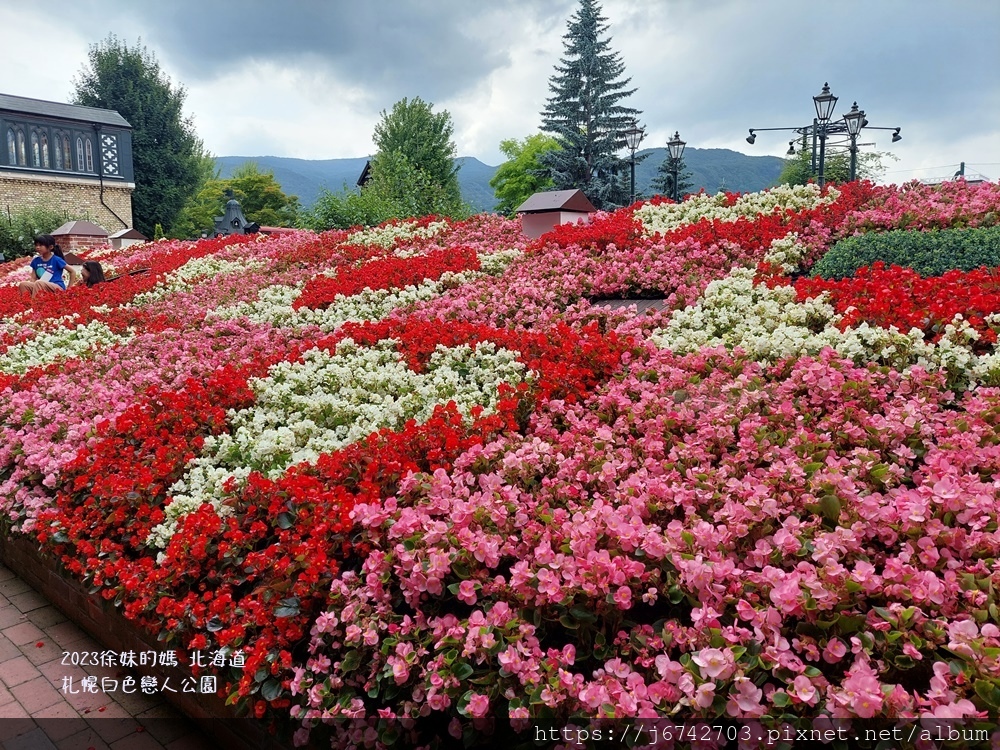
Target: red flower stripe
{"points": [[386, 273], [900, 297]]}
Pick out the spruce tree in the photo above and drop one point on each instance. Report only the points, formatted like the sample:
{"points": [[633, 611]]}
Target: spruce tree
{"points": [[663, 183], [585, 113]]}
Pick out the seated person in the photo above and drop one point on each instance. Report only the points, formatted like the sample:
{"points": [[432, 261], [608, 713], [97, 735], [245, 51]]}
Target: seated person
{"points": [[92, 273], [46, 268]]}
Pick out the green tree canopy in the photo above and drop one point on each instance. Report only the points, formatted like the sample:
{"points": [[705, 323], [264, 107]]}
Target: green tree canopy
{"points": [[167, 155], [522, 175], [837, 167], [585, 113], [396, 190], [259, 194], [414, 144]]}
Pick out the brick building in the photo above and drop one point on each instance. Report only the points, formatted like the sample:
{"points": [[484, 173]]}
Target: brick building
{"points": [[67, 157]]}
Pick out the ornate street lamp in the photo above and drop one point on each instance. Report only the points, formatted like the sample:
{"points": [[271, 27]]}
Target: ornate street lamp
{"points": [[676, 148], [823, 126], [853, 121], [825, 102], [633, 137]]}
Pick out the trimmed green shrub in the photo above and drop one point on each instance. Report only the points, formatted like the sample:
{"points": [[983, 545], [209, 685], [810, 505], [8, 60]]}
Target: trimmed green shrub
{"points": [[929, 253]]}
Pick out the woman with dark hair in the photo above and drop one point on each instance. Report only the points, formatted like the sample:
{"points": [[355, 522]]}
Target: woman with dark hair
{"points": [[46, 268], [92, 273]]}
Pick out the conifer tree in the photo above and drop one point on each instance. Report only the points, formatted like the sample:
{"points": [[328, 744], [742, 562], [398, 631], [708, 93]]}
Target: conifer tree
{"points": [[663, 183], [585, 113]]}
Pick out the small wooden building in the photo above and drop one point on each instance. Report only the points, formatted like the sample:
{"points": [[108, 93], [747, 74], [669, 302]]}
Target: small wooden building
{"points": [[127, 238], [79, 235], [543, 212]]}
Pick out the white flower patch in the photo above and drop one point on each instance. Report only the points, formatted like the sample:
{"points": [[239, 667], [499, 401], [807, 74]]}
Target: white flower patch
{"points": [[329, 401], [274, 304], [388, 236], [786, 252], [62, 343], [197, 268], [770, 324], [668, 216], [494, 264]]}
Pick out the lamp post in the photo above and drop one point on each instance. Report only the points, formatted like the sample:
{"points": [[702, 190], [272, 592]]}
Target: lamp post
{"points": [[853, 121], [823, 126], [633, 137], [676, 148], [825, 102]]}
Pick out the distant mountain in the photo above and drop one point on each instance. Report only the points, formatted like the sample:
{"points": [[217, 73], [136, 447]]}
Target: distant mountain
{"points": [[713, 169]]}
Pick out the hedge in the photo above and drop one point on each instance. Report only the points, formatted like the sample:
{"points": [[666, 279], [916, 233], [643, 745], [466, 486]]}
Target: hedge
{"points": [[929, 253]]}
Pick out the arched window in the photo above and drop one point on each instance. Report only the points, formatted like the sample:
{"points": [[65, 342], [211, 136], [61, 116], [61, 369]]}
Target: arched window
{"points": [[89, 150], [44, 142], [36, 154], [11, 148], [57, 145], [22, 156], [67, 160], [79, 153]]}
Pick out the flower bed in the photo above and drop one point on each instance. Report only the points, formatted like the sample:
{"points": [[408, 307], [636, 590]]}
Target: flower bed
{"points": [[413, 472]]}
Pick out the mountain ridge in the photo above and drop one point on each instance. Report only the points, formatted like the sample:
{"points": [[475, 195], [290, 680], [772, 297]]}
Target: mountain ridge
{"points": [[712, 169]]}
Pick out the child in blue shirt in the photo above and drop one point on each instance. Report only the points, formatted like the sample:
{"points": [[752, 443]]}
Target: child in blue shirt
{"points": [[46, 269]]}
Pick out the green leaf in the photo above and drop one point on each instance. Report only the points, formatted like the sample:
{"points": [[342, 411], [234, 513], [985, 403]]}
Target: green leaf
{"points": [[285, 521], [287, 607], [351, 660], [271, 690], [830, 506]]}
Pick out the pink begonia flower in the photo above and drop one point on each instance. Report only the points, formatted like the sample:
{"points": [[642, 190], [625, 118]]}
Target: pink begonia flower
{"points": [[834, 651], [623, 597], [467, 592], [746, 699], [705, 695], [478, 705], [803, 689], [715, 663], [455, 728]]}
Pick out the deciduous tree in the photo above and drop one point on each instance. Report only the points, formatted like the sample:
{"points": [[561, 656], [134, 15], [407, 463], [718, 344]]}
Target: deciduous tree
{"points": [[166, 152], [415, 146], [522, 175]]}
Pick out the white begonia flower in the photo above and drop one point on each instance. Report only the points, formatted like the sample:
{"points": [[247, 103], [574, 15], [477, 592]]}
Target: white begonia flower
{"points": [[668, 216], [388, 236], [330, 400], [61, 343], [184, 277]]}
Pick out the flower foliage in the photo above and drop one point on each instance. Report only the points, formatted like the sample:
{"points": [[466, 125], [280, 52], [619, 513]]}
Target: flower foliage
{"points": [[419, 471]]}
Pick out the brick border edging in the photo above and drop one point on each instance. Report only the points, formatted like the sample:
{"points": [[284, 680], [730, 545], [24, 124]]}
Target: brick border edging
{"points": [[101, 620]]}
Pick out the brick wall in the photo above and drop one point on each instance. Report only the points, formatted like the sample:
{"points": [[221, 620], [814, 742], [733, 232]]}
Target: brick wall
{"points": [[79, 244], [80, 198]]}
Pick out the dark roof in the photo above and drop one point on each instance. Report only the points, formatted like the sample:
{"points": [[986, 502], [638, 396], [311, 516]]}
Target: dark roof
{"points": [[557, 200], [80, 228], [366, 174], [127, 234], [62, 111]]}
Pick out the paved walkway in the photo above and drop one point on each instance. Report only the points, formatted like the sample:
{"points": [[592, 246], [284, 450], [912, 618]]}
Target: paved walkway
{"points": [[35, 713]]}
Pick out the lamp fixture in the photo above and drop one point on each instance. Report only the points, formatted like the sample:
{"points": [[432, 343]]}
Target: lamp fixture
{"points": [[854, 120], [676, 146], [825, 102], [752, 137]]}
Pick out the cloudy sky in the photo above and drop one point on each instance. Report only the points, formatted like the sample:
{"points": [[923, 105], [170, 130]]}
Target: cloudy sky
{"points": [[309, 78]]}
